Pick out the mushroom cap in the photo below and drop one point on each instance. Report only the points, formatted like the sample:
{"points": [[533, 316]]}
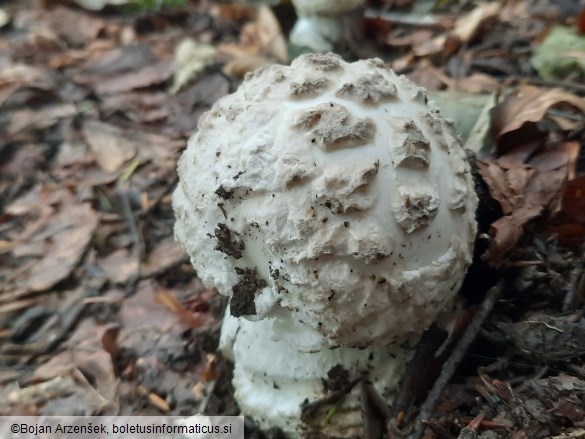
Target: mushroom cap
{"points": [[325, 7], [332, 191]]}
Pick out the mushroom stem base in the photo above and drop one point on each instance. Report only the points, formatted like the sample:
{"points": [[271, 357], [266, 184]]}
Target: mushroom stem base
{"points": [[278, 368]]}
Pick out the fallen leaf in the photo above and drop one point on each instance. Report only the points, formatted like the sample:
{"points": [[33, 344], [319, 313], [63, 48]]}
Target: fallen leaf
{"points": [[524, 106], [561, 54], [169, 300], [233, 11], [19, 76], [113, 146], [261, 43], [76, 225], [266, 34], [477, 138], [108, 61], [75, 27], [39, 119], [463, 108], [475, 83], [569, 223], [4, 17], [146, 323], [145, 77], [120, 266], [191, 58], [206, 91], [237, 68], [466, 26], [428, 76], [165, 255], [464, 30], [109, 145], [524, 191], [26, 162]]}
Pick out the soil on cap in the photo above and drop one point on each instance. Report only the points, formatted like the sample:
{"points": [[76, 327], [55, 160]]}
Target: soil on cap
{"points": [[244, 292], [226, 244]]}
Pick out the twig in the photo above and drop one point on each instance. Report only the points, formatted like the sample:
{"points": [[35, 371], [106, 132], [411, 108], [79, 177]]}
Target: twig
{"points": [[136, 238], [373, 420], [454, 360], [158, 200], [309, 409], [472, 428], [563, 84], [576, 289], [422, 353]]}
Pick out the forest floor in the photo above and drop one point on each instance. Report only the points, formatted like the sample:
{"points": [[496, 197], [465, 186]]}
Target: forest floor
{"points": [[100, 310]]}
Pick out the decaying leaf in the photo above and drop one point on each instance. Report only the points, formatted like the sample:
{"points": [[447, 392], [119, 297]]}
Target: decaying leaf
{"points": [[74, 226], [527, 182], [19, 76], [191, 58], [529, 176], [109, 144], [76, 27], [464, 30], [526, 106], [560, 55], [154, 74], [261, 43], [569, 223], [39, 119]]}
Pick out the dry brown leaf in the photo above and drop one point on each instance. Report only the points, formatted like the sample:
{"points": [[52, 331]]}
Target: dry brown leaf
{"points": [[75, 226], [26, 162], [169, 300], [238, 67], [234, 11], [39, 119], [261, 43], [467, 25], [83, 351], [109, 145], [191, 59], [145, 77], [114, 146], [19, 76], [524, 191], [266, 34], [475, 83], [464, 31], [430, 47], [106, 60], [120, 266], [165, 255], [428, 76], [76, 27], [528, 104], [569, 223]]}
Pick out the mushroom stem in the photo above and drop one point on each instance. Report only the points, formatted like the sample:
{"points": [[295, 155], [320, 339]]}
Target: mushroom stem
{"points": [[316, 32], [282, 367], [320, 24]]}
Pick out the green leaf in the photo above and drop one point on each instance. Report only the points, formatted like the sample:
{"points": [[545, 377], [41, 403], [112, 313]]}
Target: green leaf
{"points": [[561, 54]]}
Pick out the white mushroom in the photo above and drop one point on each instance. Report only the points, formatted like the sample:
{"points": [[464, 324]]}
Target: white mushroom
{"points": [[335, 207], [319, 26]]}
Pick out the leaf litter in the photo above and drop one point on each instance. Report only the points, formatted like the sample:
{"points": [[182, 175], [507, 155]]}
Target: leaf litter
{"points": [[100, 311]]}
